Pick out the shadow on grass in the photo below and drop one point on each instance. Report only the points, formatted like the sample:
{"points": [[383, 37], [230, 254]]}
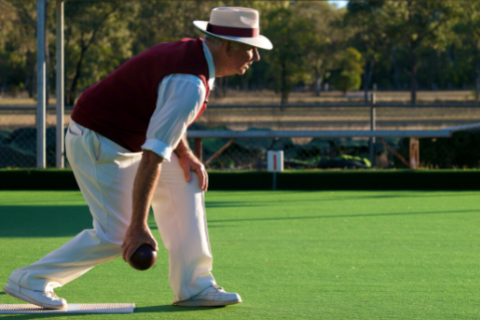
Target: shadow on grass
{"points": [[151, 309], [58, 221], [67, 221], [347, 216], [42, 316], [154, 226], [170, 308], [279, 200], [43, 221], [232, 204], [52, 221]]}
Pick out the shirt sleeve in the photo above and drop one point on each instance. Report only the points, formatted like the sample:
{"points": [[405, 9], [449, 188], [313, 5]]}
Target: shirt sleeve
{"points": [[180, 97]]}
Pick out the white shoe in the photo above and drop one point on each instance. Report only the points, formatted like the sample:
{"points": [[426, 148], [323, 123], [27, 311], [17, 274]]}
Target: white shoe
{"points": [[211, 297], [47, 300]]}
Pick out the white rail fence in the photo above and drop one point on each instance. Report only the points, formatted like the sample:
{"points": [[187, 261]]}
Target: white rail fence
{"points": [[373, 134]]}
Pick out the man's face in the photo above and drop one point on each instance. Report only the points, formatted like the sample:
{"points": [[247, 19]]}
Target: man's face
{"points": [[242, 59]]}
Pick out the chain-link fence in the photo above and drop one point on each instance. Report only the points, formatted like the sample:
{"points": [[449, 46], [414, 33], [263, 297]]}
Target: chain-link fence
{"points": [[460, 151], [251, 153], [18, 136], [328, 153]]}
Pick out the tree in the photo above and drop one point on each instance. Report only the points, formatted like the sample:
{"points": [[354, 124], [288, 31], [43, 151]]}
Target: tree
{"points": [[468, 31], [150, 28], [289, 34], [416, 25], [350, 70], [18, 44], [425, 38], [369, 21], [324, 40], [97, 41]]}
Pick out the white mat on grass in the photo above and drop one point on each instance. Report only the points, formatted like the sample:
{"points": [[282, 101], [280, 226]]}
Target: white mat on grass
{"points": [[72, 308]]}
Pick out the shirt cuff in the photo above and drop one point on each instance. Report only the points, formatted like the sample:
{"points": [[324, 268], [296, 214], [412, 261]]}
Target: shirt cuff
{"points": [[159, 147]]}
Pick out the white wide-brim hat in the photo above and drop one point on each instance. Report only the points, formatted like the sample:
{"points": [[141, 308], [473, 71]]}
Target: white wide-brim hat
{"points": [[235, 24]]}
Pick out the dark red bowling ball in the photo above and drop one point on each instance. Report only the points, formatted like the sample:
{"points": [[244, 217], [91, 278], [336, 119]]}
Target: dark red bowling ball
{"points": [[144, 258]]}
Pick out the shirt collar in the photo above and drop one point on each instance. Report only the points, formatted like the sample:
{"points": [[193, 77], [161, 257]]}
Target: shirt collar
{"points": [[211, 66]]}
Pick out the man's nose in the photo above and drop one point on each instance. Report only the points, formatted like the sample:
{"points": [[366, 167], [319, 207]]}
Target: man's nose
{"points": [[256, 55]]}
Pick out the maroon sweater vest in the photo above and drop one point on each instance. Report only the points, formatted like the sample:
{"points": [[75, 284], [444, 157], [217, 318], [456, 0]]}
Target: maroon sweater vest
{"points": [[120, 106]]}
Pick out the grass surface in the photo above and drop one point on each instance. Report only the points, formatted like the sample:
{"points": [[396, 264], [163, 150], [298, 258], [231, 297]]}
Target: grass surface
{"points": [[291, 255]]}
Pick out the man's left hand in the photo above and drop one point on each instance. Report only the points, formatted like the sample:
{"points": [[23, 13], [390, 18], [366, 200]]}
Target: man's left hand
{"points": [[190, 163]]}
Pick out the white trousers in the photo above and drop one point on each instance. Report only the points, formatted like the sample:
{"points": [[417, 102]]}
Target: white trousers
{"points": [[105, 173]]}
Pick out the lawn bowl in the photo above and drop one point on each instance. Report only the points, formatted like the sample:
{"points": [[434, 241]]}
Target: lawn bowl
{"points": [[143, 258]]}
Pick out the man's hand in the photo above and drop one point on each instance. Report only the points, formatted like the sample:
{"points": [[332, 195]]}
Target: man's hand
{"points": [[146, 179], [189, 163], [135, 237]]}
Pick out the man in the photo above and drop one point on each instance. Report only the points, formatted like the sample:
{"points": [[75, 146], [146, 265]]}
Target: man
{"points": [[127, 147]]}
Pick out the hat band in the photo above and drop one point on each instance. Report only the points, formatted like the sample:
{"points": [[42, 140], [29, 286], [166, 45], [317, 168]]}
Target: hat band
{"points": [[233, 32]]}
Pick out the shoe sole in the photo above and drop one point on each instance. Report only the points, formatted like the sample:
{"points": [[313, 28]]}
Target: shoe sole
{"points": [[20, 296], [206, 303]]}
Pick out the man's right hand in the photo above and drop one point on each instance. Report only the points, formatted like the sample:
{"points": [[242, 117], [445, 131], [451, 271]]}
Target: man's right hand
{"points": [[135, 237], [146, 179]]}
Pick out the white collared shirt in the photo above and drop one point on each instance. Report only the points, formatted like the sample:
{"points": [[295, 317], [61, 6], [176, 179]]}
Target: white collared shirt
{"points": [[180, 97]]}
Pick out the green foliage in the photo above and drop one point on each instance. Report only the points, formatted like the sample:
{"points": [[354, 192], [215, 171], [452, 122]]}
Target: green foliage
{"points": [[17, 45], [290, 35], [420, 44], [324, 39], [361, 160], [369, 22], [346, 80], [97, 40], [350, 65], [416, 26]]}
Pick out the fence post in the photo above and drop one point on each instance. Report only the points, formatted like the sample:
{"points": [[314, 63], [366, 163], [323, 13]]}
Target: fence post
{"points": [[414, 153], [59, 151], [197, 148], [372, 128], [41, 72]]}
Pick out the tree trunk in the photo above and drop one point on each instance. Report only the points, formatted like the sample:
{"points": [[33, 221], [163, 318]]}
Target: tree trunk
{"points": [[413, 60], [73, 87], [477, 88], [70, 96], [318, 84], [244, 81], [477, 85], [370, 74], [30, 68], [217, 92], [284, 98], [283, 89], [367, 77], [477, 79], [34, 80], [3, 89], [396, 75], [413, 76], [413, 85], [220, 87], [224, 86]]}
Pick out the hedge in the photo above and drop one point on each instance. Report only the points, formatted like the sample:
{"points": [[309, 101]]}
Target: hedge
{"points": [[63, 179]]}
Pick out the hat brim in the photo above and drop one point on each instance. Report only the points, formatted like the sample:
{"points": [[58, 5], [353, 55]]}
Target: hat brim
{"points": [[260, 42]]}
